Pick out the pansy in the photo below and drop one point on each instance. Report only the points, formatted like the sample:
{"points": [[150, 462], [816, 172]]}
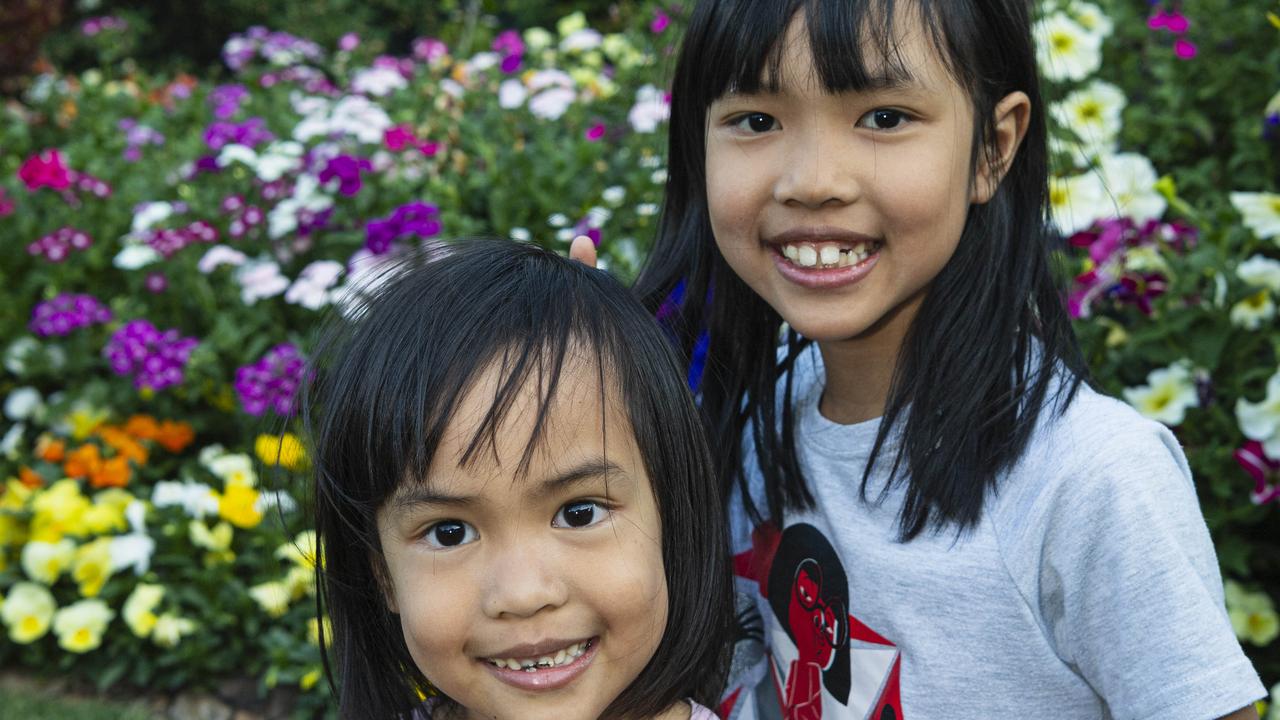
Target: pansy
{"points": [[170, 629], [46, 561], [1261, 212], [139, 608], [196, 499], [80, 626], [27, 612], [1065, 50], [1261, 420], [1169, 392]]}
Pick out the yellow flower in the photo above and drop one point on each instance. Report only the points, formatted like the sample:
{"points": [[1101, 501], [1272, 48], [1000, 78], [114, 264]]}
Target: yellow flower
{"points": [[285, 450], [273, 597], [309, 680], [92, 566], [170, 629], [217, 541], [239, 506], [300, 581], [139, 608], [79, 626], [84, 419], [105, 517], [234, 469], [313, 630], [59, 510], [15, 495], [45, 561], [27, 611], [1253, 616], [12, 530], [302, 551], [570, 24]]}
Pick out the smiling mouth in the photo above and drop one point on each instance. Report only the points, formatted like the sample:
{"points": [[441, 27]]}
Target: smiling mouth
{"points": [[828, 255], [559, 658]]}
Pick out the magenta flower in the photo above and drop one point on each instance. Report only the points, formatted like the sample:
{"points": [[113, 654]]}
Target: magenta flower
{"points": [[1184, 49], [398, 137], [155, 283], [415, 218], [168, 241], [1264, 470], [348, 42], [595, 132], [660, 22], [6, 204], [154, 359], [346, 170], [57, 245], [1175, 22], [511, 47], [429, 50], [95, 25], [1108, 243], [271, 382], [45, 170], [66, 313]]}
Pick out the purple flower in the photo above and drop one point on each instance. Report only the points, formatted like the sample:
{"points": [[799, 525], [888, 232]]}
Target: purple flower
{"points": [[251, 132], [346, 170], [95, 25], [660, 22], [168, 241], [511, 47], [271, 382], [227, 99], [67, 312], [155, 283], [414, 218], [57, 245], [155, 359], [429, 50], [137, 136], [348, 42]]}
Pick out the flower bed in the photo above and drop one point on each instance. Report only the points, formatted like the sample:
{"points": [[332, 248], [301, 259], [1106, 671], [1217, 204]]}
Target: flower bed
{"points": [[172, 242]]}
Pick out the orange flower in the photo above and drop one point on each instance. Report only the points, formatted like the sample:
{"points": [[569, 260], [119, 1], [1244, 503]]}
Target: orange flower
{"points": [[29, 477], [143, 427], [123, 443], [82, 461], [113, 473], [175, 435], [50, 449]]}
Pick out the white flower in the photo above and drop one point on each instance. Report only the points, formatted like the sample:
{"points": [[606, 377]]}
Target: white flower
{"points": [[481, 61], [651, 108], [1124, 185], [307, 195], [558, 220], [1261, 421], [232, 153], [195, 499], [148, 215], [542, 79], [614, 195], [520, 234], [272, 500], [132, 550], [1261, 212], [311, 289], [565, 235], [260, 279], [46, 561], [1167, 395], [278, 159], [1251, 312], [550, 104], [134, 257], [1092, 18], [11, 440], [537, 38], [1065, 50], [647, 209], [233, 469], [452, 88], [511, 94], [27, 611], [353, 115], [219, 255], [80, 625], [581, 41], [378, 81], [1093, 114], [170, 629], [659, 176], [1260, 271], [597, 216], [23, 403]]}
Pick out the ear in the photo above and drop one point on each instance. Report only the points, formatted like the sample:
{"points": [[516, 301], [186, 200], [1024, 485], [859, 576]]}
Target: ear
{"points": [[1012, 114]]}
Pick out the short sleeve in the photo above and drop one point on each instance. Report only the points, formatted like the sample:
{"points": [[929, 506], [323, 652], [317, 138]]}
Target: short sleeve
{"points": [[1129, 588]]}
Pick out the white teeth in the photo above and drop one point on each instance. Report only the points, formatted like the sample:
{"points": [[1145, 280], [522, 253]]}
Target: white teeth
{"points": [[561, 657], [808, 257], [829, 255], [791, 252]]}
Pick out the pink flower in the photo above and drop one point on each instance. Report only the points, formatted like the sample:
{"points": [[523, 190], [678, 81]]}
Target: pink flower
{"points": [[660, 22], [45, 170], [6, 205], [595, 132], [430, 50], [430, 148], [1184, 49], [398, 138], [349, 42], [1265, 472], [1174, 22]]}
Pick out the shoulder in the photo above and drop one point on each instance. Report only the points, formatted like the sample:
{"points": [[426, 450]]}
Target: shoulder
{"points": [[700, 712]]}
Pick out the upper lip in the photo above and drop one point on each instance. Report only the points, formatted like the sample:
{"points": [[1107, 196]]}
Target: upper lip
{"points": [[535, 649], [819, 234]]}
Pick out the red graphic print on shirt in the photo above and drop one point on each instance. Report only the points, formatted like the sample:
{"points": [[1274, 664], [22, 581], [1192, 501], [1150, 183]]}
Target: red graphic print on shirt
{"points": [[825, 662]]}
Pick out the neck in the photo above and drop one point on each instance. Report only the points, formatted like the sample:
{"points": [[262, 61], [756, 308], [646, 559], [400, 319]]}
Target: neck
{"points": [[860, 369]]}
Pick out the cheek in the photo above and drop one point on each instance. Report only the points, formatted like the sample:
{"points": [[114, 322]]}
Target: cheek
{"points": [[434, 621]]}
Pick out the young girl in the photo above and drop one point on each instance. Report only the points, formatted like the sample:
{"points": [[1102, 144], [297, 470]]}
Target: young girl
{"points": [[937, 517], [515, 503]]}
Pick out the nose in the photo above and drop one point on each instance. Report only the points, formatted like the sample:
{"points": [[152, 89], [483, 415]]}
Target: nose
{"points": [[523, 579], [819, 170]]}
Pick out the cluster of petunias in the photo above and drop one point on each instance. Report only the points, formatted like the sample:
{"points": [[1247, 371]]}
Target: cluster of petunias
{"points": [[66, 313], [57, 245], [1126, 263], [271, 382]]}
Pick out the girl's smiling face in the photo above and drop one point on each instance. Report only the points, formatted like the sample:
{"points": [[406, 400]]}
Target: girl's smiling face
{"points": [[839, 209], [557, 569]]}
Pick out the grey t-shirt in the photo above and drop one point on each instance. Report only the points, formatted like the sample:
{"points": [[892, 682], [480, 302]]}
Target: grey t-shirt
{"points": [[1089, 589]]}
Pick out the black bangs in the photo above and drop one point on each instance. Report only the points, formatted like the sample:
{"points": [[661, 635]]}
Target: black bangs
{"points": [[854, 45], [388, 378]]}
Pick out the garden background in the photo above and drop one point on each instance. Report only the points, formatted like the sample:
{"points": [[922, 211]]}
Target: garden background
{"points": [[186, 187]]}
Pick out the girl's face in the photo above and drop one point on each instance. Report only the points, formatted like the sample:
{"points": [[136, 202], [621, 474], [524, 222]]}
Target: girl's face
{"points": [[840, 209], [539, 595]]}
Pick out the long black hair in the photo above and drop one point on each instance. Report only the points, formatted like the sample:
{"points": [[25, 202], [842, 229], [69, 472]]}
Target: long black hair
{"points": [[982, 356], [386, 381]]}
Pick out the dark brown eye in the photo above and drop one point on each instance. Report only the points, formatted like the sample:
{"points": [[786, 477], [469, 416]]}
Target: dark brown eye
{"points": [[883, 119], [579, 514], [756, 122], [450, 533]]}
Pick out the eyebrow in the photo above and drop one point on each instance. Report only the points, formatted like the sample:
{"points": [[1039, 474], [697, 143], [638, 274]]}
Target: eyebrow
{"points": [[408, 497], [895, 78]]}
